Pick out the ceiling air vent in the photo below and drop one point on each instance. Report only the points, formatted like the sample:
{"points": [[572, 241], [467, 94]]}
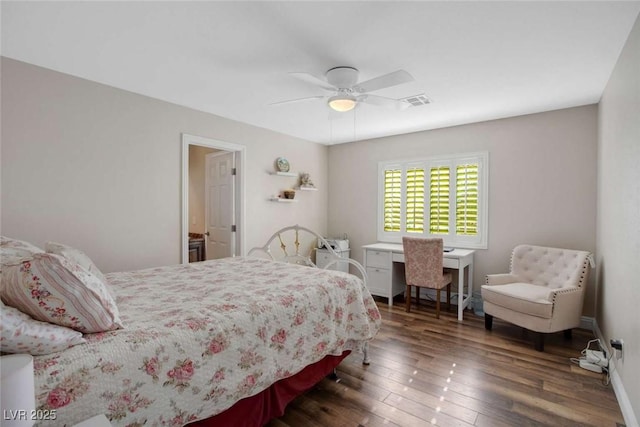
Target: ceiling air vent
{"points": [[417, 100]]}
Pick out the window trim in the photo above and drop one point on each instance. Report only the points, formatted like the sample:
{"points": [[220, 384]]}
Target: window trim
{"points": [[471, 242]]}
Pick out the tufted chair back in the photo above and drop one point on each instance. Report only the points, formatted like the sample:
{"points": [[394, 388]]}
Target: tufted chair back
{"points": [[551, 267]]}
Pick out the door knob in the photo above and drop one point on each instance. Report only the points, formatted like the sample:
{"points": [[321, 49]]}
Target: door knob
{"points": [[207, 233]]}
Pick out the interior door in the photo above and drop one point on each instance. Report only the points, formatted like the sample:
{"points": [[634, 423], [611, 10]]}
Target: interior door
{"points": [[220, 205]]}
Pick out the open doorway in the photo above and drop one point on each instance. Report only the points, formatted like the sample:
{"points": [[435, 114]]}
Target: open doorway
{"points": [[212, 199], [198, 203]]}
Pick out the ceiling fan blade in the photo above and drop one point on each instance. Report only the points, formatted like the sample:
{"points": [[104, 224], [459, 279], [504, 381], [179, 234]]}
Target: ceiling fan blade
{"points": [[384, 81], [383, 101], [314, 80], [291, 101]]}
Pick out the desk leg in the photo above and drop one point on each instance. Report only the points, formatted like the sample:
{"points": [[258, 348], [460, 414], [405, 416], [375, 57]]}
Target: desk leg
{"points": [[464, 299], [470, 284], [461, 300]]}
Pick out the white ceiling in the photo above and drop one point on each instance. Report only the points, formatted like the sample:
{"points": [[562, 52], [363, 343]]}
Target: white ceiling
{"points": [[476, 60]]}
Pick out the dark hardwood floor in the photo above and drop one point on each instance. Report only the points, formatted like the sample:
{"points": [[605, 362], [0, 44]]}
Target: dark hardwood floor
{"points": [[427, 372]]}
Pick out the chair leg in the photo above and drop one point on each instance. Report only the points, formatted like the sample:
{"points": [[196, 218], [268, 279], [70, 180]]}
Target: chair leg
{"points": [[538, 341], [449, 297], [407, 307], [437, 303], [417, 296], [488, 321], [567, 334]]}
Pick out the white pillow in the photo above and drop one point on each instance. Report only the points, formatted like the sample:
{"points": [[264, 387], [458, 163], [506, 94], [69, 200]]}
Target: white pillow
{"points": [[53, 289], [19, 333], [79, 257]]}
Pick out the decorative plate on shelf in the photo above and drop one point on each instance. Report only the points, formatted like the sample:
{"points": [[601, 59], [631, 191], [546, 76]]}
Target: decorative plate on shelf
{"points": [[282, 164]]}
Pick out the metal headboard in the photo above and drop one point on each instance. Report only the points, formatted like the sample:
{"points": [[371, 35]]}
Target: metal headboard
{"points": [[302, 258]]}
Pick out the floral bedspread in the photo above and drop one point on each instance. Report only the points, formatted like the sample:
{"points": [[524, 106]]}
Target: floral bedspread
{"points": [[199, 337]]}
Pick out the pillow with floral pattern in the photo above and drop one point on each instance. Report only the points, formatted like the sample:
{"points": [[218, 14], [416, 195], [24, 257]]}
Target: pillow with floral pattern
{"points": [[53, 289], [19, 333]]}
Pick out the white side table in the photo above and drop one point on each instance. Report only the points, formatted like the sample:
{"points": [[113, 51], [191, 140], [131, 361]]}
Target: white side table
{"points": [[323, 257]]}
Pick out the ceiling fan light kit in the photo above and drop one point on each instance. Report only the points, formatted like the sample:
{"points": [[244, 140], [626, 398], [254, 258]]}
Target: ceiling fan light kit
{"points": [[342, 103]]}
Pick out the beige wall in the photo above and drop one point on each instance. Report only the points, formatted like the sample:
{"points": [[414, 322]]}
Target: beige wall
{"points": [[99, 168], [618, 234], [196, 187], [542, 180]]}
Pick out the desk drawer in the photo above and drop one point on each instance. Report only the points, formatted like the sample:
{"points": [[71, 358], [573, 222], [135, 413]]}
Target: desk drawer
{"points": [[380, 259], [446, 262], [397, 257], [451, 263], [379, 281]]}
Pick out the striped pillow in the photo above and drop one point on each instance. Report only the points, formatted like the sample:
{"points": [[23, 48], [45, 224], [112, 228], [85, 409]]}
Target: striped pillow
{"points": [[53, 289], [79, 257]]}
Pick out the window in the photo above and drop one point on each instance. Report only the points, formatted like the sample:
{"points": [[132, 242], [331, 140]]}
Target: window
{"points": [[435, 197]]}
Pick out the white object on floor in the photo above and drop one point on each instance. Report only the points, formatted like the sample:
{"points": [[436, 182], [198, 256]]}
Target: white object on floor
{"points": [[97, 421], [17, 390]]}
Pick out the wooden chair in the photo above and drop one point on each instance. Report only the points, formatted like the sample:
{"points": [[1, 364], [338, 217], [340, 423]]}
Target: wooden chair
{"points": [[423, 269]]}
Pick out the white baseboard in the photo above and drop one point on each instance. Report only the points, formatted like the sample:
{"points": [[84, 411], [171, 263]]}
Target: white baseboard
{"points": [[618, 388], [623, 400], [587, 323]]}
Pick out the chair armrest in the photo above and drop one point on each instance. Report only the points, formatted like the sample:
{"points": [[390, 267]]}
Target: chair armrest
{"points": [[500, 279], [565, 294], [567, 307]]}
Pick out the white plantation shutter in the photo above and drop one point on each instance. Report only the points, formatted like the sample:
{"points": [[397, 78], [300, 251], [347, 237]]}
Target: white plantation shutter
{"points": [[467, 199], [444, 196], [439, 181], [415, 200], [392, 199]]}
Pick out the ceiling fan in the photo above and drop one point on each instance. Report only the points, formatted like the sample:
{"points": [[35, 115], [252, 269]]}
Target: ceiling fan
{"points": [[347, 92]]}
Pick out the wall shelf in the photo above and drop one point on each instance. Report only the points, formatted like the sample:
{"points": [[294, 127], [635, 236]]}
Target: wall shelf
{"points": [[290, 174], [282, 200]]}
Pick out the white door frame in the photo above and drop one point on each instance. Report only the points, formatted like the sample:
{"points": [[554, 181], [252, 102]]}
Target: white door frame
{"points": [[240, 151]]}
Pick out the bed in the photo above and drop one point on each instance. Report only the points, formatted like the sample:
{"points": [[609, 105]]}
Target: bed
{"points": [[210, 341]]}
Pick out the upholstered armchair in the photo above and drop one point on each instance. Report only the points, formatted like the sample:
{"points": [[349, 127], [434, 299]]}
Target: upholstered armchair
{"points": [[543, 293]]}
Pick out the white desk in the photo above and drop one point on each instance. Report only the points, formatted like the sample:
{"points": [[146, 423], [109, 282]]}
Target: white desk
{"points": [[388, 281]]}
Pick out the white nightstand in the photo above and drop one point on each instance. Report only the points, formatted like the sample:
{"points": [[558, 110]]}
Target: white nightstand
{"points": [[323, 257]]}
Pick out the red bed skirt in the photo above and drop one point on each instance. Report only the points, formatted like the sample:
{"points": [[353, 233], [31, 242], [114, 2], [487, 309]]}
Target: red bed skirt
{"points": [[256, 411]]}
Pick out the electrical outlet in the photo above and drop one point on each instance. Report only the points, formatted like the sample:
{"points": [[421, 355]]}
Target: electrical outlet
{"points": [[617, 345]]}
